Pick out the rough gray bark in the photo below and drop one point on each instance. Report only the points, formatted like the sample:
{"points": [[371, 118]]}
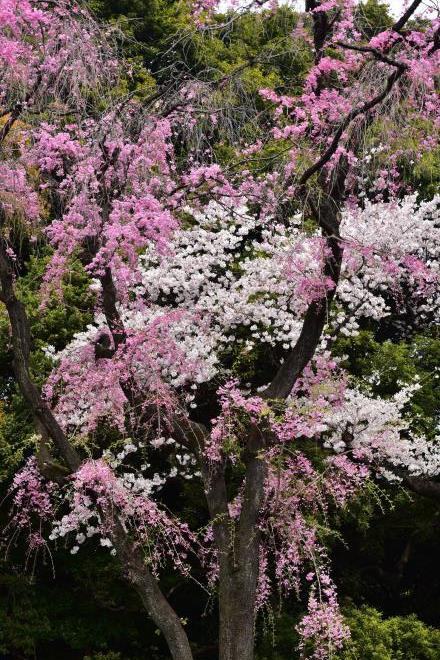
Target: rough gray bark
{"points": [[239, 572]]}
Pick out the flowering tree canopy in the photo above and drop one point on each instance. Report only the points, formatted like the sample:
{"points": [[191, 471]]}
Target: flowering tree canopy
{"points": [[220, 293]]}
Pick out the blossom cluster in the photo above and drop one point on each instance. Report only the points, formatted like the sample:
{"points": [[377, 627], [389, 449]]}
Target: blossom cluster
{"points": [[347, 69], [216, 284], [376, 432], [32, 507], [391, 251], [129, 174], [50, 53], [297, 498], [99, 496]]}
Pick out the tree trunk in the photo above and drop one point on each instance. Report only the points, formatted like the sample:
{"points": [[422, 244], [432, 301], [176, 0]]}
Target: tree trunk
{"points": [[237, 610], [162, 614], [140, 577], [239, 568]]}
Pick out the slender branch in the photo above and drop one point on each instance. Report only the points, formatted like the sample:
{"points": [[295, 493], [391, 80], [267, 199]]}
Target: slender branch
{"points": [[316, 314], [377, 54], [18, 109], [322, 27], [369, 105], [353, 114], [313, 325], [112, 315]]}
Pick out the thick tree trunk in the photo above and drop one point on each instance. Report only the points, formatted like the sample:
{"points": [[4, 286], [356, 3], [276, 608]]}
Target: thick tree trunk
{"points": [[237, 611], [239, 567]]}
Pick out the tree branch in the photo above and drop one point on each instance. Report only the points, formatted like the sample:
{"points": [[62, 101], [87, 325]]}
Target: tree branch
{"points": [[353, 114], [328, 220], [322, 27], [398, 25], [377, 54], [147, 587], [316, 315], [131, 557], [21, 344], [18, 109], [423, 486]]}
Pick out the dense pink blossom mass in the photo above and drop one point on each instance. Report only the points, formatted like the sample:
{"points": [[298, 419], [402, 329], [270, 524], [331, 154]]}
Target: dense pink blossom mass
{"points": [[192, 263]]}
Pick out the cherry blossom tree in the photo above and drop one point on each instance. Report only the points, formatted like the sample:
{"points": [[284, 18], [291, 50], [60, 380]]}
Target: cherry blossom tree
{"points": [[198, 271]]}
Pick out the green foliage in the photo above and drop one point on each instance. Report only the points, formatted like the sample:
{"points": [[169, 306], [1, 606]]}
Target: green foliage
{"points": [[384, 365], [20, 622], [104, 656], [396, 638], [257, 44], [146, 24], [373, 17], [16, 436], [85, 611], [426, 173], [277, 637]]}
